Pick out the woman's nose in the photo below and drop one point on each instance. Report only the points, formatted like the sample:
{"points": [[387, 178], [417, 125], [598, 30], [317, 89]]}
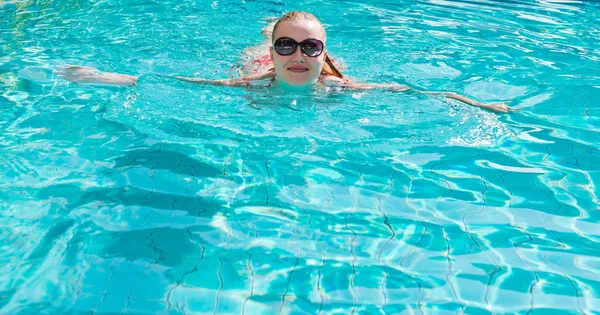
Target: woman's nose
{"points": [[298, 55]]}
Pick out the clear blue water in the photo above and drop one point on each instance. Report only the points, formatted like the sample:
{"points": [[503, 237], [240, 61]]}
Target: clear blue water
{"points": [[172, 198]]}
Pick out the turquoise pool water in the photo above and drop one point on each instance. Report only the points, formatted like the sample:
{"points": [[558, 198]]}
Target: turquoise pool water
{"points": [[172, 198]]}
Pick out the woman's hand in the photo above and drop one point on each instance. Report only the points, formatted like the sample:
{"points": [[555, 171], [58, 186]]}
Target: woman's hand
{"points": [[500, 107], [92, 75], [497, 107]]}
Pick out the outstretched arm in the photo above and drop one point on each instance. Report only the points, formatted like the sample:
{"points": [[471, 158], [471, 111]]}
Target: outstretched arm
{"points": [[377, 86], [494, 107], [245, 81], [223, 82], [347, 84], [499, 107], [94, 76]]}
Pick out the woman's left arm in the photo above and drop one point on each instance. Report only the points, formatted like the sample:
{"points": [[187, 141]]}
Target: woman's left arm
{"points": [[494, 107], [377, 86], [499, 107], [347, 84]]}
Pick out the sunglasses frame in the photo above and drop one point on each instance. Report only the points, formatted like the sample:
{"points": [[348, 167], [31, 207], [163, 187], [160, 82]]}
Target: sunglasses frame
{"points": [[299, 44]]}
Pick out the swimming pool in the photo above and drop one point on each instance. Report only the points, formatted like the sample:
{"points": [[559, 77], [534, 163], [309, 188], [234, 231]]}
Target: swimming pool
{"points": [[175, 198]]}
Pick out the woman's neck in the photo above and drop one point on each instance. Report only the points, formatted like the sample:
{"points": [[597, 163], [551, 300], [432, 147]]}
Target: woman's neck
{"points": [[292, 88]]}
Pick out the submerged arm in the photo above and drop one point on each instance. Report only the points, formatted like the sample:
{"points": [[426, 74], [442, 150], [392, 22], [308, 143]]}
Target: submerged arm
{"points": [[494, 107], [499, 107], [347, 84], [223, 82], [377, 86], [231, 82], [94, 76]]}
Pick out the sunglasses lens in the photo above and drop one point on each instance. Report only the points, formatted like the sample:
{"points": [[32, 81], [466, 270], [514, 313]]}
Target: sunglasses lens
{"points": [[285, 46], [312, 47]]}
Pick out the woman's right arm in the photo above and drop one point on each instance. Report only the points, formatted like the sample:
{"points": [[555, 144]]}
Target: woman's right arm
{"points": [[223, 82], [94, 76], [244, 81]]}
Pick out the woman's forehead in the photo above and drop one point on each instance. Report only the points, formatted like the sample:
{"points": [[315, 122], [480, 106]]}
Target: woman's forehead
{"points": [[300, 30]]}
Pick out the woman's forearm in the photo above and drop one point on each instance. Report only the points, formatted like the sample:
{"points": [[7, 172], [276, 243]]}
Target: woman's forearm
{"points": [[94, 76], [494, 107]]}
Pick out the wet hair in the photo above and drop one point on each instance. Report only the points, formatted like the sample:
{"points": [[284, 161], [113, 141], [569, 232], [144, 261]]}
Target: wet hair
{"points": [[328, 67], [298, 16]]}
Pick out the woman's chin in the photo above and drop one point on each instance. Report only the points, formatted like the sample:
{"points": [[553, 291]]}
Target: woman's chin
{"points": [[298, 81]]}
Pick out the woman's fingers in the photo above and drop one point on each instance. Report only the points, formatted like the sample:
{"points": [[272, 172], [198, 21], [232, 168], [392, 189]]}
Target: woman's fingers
{"points": [[400, 88]]}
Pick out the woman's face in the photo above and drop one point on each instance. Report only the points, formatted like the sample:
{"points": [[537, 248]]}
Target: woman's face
{"points": [[298, 69]]}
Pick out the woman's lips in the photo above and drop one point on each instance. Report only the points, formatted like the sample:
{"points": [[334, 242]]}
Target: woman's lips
{"points": [[298, 69]]}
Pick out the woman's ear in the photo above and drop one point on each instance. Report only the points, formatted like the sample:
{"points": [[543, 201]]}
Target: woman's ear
{"points": [[271, 52]]}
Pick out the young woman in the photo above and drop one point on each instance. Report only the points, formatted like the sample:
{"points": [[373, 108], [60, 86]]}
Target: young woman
{"points": [[297, 57]]}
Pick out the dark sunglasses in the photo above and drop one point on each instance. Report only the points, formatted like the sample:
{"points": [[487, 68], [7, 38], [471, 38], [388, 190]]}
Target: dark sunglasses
{"points": [[286, 46]]}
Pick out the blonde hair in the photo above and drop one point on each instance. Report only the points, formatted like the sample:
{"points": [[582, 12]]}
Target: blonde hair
{"points": [[298, 16], [328, 67]]}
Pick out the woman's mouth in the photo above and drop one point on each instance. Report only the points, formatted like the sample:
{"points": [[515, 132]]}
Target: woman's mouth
{"points": [[298, 69]]}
